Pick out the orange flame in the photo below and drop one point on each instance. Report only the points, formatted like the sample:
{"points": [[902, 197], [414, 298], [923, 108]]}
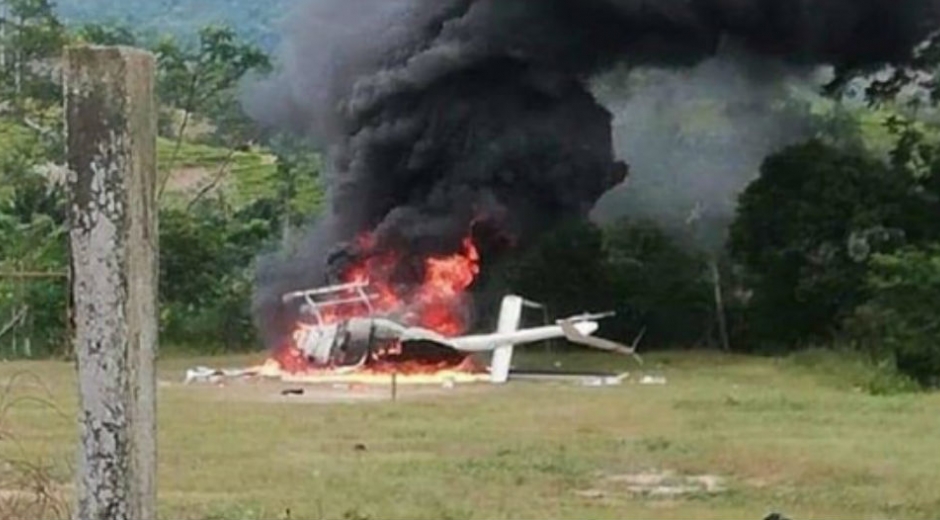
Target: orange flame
{"points": [[446, 280], [436, 304]]}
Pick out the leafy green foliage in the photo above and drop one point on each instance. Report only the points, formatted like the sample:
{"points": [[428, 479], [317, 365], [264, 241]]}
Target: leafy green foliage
{"points": [[102, 34], [564, 270], [220, 218], [202, 80], [901, 321], [632, 268], [32, 238], [657, 284], [205, 276], [805, 231], [32, 37], [208, 244], [832, 241], [894, 319]]}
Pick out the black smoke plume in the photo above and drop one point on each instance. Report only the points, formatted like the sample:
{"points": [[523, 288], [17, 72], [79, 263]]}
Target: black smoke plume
{"points": [[437, 114]]}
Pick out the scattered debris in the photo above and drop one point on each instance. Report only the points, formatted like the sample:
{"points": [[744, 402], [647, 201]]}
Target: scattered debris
{"points": [[604, 381], [213, 375], [201, 374], [653, 380], [664, 484], [592, 494], [582, 379]]}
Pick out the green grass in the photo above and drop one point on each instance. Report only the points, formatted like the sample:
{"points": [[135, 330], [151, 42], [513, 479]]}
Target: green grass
{"points": [[846, 369], [18, 148], [786, 438], [247, 174]]}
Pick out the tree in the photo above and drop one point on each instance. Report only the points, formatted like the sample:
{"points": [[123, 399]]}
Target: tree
{"points": [[657, 284], [104, 34], [911, 89], [806, 229], [206, 257], [32, 233], [565, 270], [191, 77], [632, 268], [203, 81], [31, 37]]}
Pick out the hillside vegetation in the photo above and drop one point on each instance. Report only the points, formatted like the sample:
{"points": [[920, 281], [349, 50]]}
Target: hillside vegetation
{"points": [[258, 22], [226, 194]]}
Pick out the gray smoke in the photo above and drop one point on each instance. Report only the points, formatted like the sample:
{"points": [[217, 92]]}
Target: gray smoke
{"points": [[442, 116], [696, 137]]}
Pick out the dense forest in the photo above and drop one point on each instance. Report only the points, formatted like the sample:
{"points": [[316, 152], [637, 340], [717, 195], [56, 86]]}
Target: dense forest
{"points": [[835, 244]]}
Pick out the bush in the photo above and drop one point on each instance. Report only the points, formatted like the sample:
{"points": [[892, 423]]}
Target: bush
{"points": [[901, 322], [206, 256], [36, 244]]}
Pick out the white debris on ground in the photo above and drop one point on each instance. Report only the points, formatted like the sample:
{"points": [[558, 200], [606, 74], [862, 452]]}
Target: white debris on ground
{"points": [[668, 484], [214, 375], [604, 380], [653, 380], [656, 484]]}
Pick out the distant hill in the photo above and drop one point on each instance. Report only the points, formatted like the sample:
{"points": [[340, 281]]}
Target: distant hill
{"points": [[256, 20]]}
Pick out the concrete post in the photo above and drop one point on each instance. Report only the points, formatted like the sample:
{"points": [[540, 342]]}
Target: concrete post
{"points": [[111, 147]]}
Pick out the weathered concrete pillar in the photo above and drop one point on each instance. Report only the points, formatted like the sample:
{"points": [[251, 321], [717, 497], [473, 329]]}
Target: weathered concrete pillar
{"points": [[111, 146]]}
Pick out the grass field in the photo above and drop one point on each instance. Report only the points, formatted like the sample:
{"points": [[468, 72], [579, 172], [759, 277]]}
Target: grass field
{"points": [[783, 436], [243, 177]]}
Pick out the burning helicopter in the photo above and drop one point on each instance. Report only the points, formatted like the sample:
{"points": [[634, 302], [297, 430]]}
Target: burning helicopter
{"points": [[363, 337]]}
